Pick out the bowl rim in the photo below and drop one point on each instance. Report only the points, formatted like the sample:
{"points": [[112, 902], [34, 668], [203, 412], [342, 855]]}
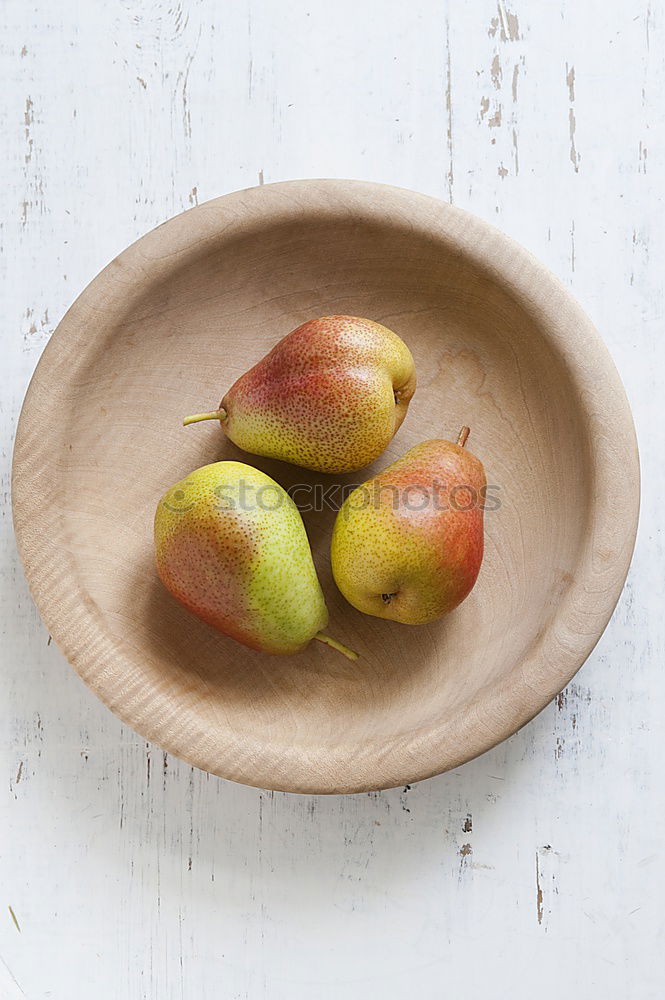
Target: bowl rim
{"points": [[497, 712]]}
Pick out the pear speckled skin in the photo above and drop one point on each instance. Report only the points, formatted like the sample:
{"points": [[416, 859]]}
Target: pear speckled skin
{"points": [[396, 551], [231, 546], [329, 396]]}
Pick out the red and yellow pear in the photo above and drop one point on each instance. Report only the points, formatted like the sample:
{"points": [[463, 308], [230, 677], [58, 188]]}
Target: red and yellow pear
{"points": [[231, 546], [329, 396], [408, 544]]}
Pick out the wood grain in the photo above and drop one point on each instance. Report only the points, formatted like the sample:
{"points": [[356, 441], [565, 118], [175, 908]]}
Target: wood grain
{"points": [[498, 344]]}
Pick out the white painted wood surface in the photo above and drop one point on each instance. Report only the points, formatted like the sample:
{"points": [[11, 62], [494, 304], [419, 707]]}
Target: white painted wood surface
{"points": [[534, 871]]}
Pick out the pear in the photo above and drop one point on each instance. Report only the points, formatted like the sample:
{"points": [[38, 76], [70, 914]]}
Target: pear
{"points": [[231, 546], [408, 544], [329, 396]]}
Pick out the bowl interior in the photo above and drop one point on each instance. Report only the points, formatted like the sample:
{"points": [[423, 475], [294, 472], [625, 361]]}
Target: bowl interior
{"points": [[172, 335]]}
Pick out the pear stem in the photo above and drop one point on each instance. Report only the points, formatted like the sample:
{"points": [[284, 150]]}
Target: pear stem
{"points": [[344, 650], [463, 436], [213, 415]]}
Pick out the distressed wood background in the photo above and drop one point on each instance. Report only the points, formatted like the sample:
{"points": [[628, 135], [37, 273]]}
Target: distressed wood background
{"points": [[537, 870]]}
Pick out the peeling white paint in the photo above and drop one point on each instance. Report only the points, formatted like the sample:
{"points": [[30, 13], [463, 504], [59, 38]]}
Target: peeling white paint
{"points": [[158, 881]]}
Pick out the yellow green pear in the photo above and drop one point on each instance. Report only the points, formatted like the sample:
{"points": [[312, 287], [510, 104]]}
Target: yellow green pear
{"points": [[329, 396], [408, 544], [231, 546]]}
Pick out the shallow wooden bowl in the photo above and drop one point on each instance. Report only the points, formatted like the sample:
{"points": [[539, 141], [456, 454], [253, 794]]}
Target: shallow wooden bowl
{"points": [[499, 344]]}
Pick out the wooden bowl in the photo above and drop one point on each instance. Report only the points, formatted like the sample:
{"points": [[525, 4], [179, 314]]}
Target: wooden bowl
{"points": [[499, 344]]}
